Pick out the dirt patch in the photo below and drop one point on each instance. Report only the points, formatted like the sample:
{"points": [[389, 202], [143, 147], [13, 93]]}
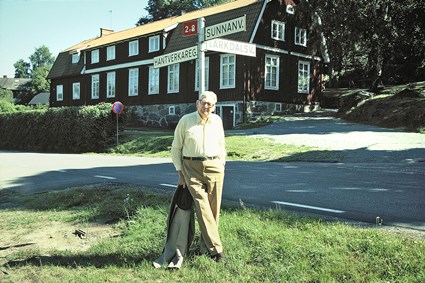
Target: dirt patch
{"points": [[57, 236]]}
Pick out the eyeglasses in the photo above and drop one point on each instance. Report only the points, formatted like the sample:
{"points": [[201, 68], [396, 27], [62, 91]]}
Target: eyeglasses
{"points": [[205, 103]]}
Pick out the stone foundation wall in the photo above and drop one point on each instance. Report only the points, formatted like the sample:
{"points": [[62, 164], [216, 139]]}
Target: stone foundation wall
{"points": [[159, 116], [156, 116]]}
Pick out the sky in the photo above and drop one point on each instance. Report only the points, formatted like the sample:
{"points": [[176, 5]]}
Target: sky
{"points": [[58, 24]]}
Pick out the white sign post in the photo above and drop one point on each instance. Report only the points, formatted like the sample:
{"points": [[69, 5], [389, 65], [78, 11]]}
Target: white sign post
{"points": [[201, 55]]}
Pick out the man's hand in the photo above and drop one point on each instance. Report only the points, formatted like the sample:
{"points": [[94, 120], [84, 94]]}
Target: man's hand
{"points": [[181, 181]]}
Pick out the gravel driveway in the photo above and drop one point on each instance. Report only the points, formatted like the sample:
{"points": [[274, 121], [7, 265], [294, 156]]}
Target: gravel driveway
{"points": [[354, 142]]}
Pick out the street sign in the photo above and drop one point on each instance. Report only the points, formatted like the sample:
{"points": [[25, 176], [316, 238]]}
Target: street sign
{"points": [[179, 56], [231, 46], [225, 28], [190, 28], [117, 107]]}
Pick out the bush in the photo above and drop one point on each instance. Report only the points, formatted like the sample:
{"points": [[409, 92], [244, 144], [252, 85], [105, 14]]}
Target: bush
{"points": [[67, 129], [6, 95], [6, 107]]}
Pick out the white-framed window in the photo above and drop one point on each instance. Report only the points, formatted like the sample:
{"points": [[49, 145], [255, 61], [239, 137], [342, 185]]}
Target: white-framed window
{"points": [[59, 92], [95, 56], [227, 71], [303, 77], [110, 85], [278, 107], [110, 53], [133, 48], [76, 91], [133, 82], [207, 73], [153, 87], [300, 36], [154, 43], [172, 110], [278, 30], [173, 78], [75, 58], [95, 86], [271, 77]]}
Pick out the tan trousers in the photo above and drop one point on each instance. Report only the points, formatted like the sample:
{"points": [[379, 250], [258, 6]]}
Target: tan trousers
{"points": [[205, 182]]}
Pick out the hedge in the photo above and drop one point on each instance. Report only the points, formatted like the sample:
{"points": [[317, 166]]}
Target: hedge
{"points": [[65, 130]]}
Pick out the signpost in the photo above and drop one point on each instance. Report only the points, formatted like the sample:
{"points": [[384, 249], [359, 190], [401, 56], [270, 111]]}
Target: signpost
{"points": [[201, 56], [117, 108], [207, 40]]}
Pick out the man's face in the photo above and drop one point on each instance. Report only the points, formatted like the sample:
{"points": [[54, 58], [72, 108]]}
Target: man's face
{"points": [[205, 107]]}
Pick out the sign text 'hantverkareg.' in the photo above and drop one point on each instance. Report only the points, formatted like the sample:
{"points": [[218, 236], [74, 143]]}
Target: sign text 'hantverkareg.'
{"points": [[179, 56]]}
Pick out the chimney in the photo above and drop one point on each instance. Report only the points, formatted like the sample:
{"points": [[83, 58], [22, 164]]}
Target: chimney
{"points": [[105, 31]]}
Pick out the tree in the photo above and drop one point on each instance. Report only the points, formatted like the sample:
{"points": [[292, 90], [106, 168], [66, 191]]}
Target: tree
{"points": [[162, 9], [41, 62], [39, 81], [6, 95], [374, 38], [22, 69], [41, 57]]}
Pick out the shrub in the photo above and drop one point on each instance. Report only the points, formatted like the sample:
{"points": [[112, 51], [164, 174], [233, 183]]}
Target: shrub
{"points": [[67, 129]]}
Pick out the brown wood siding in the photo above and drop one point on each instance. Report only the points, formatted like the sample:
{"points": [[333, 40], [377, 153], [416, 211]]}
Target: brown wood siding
{"points": [[288, 71]]}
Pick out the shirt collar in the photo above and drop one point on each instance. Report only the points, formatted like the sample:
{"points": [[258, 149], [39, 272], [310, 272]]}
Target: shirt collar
{"points": [[199, 118]]}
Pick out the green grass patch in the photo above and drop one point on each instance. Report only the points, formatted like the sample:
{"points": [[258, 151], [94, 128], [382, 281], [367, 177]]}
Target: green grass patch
{"points": [[242, 148], [156, 144], [260, 246]]}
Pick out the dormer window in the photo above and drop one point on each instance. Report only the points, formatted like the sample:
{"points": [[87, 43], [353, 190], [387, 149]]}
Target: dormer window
{"points": [[95, 56], [75, 58], [278, 30], [290, 9]]}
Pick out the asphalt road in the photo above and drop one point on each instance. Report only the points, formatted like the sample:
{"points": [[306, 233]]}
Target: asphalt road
{"points": [[382, 173]]}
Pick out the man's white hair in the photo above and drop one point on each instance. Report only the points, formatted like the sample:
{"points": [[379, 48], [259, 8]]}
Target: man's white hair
{"points": [[208, 94]]}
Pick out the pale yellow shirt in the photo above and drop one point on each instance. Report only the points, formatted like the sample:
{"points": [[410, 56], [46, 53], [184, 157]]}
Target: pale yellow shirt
{"points": [[192, 138]]}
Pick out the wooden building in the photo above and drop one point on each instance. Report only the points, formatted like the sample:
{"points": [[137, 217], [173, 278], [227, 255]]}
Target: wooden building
{"points": [[284, 76]]}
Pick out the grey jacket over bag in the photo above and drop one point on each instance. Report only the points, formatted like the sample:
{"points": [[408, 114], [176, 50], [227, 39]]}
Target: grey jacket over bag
{"points": [[180, 230]]}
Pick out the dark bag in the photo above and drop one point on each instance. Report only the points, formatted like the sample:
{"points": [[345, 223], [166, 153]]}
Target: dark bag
{"points": [[183, 198]]}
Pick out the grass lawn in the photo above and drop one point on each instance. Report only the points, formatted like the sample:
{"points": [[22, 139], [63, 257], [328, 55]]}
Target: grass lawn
{"points": [[125, 231], [243, 148]]}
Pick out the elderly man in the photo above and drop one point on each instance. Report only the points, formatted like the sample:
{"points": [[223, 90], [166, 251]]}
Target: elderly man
{"points": [[198, 153]]}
